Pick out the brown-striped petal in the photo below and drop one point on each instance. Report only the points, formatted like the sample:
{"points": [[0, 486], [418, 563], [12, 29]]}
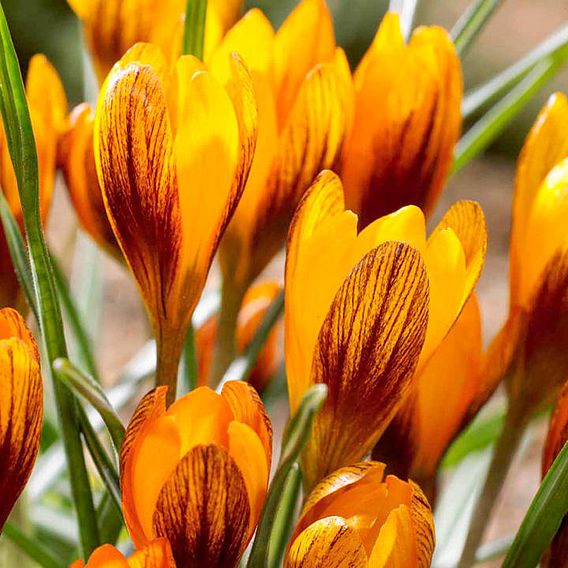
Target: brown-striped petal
{"points": [[203, 510], [77, 160], [21, 414], [366, 354], [407, 121], [12, 324], [327, 543]]}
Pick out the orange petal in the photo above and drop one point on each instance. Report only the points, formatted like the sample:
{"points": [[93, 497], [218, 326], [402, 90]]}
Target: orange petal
{"points": [[221, 15], [203, 510], [157, 554], [149, 409], [21, 414], [407, 121], [12, 324], [367, 351], [106, 556], [546, 145], [77, 158], [327, 543]]}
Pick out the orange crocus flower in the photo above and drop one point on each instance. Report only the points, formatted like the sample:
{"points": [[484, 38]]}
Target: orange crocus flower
{"points": [[407, 121], [113, 26], [173, 153], [304, 92], [156, 554], [206, 491], [256, 303], [77, 161], [555, 441], [48, 107], [21, 408], [530, 350], [357, 315], [356, 517]]}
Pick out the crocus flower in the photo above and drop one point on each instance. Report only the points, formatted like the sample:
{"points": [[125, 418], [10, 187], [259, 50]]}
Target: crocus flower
{"points": [[304, 92], [156, 554], [173, 154], [357, 308], [21, 408], [356, 517], [206, 490], [112, 27], [557, 437], [407, 121], [48, 107], [77, 161], [530, 350], [256, 303]]}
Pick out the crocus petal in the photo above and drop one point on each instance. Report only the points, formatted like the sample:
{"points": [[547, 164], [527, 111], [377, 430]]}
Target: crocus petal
{"points": [[203, 510], [407, 121], [545, 146], [106, 556], [77, 158], [221, 15], [327, 543], [383, 303], [12, 324], [21, 414]]}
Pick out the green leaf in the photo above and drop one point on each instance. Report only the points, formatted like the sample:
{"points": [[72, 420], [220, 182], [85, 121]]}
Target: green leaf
{"points": [[494, 549], [37, 552], [188, 372], [194, 29], [18, 252], [84, 351], [486, 130], [91, 390], [110, 519], [295, 437], [242, 366], [555, 46], [543, 518], [472, 22], [21, 144]]}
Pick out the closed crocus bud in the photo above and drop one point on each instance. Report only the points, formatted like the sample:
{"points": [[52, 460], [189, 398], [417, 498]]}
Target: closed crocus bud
{"points": [[112, 27], [531, 348], [304, 90], [356, 517], [407, 121], [366, 311], [21, 408], [206, 490], [173, 151], [557, 555], [156, 554], [48, 107], [77, 160], [256, 303]]}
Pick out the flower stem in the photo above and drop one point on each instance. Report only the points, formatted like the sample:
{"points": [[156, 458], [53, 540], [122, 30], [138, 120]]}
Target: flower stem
{"points": [[503, 454], [225, 348], [168, 355]]}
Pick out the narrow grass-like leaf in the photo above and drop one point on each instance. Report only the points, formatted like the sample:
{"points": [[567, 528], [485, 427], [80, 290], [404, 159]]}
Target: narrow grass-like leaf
{"points": [[472, 22], [543, 518], [80, 335], [486, 130], [188, 372], [88, 388], [21, 144], [295, 437], [494, 549], [555, 46], [242, 366], [18, 252], [194, 29], [32, 548], [110, 519]]}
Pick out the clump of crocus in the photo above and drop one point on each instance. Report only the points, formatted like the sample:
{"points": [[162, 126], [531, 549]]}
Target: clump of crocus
{"points": [[206, 491], [173, 149], [357, 517], [407, 121]]}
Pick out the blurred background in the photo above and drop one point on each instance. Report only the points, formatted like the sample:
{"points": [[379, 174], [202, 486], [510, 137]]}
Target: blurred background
{"points": [[49, 26]]}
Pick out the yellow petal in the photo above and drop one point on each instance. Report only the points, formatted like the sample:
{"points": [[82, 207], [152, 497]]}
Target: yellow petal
{"points": [[327, 543], [203, 510], [21, 414], [221, 15], [366, 354], [546, 145], [12, 324], [157, 554]]}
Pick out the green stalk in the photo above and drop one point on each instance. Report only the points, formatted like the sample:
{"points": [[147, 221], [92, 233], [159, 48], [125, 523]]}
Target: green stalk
{"points": [[472, 22], [194, 30], [189, 368], [22, 148]]}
